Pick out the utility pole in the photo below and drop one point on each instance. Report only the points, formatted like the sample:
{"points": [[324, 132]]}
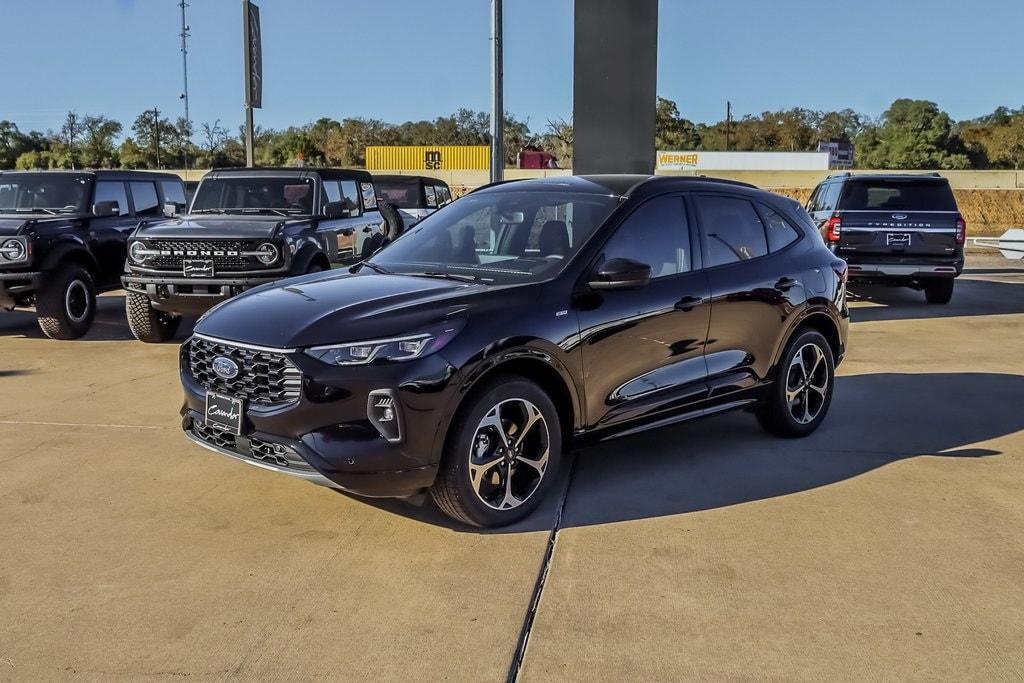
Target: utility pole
{"points": [[184, 71], [497, 90], [156, 134], [253, 63], [728, 123]]}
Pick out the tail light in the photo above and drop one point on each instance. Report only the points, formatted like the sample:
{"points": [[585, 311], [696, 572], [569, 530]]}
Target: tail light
{"points": [[833, 228], [961, 230]]}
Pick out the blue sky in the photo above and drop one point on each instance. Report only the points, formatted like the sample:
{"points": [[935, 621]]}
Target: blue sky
{"points": [[413, 59]]}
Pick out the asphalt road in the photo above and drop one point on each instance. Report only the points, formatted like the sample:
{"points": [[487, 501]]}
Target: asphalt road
{"points": [[886, 545]]}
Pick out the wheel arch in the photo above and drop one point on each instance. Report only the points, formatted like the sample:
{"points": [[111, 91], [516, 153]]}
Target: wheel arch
{"points": [[70, 252], [308, 255]]}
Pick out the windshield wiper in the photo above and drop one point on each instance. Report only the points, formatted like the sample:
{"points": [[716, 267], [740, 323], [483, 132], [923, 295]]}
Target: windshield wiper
{"points": [[208, 211], [37, 209], [276, 212], [460, 277], [374, 267]]}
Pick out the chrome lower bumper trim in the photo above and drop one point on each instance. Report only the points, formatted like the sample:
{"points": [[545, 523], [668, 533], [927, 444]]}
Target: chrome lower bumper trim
{"points": [[898, 269], [318, 479]]}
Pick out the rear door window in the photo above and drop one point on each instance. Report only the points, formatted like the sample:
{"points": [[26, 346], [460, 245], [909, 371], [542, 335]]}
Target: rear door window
{"points": [[780, 233], [897, 195], [145, 198], [731, 228], [350, 195]]}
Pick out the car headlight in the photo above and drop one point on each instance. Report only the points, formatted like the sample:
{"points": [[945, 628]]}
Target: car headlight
{"points": [[267, 253], [393, 349], [137, 252], [14, 250]]}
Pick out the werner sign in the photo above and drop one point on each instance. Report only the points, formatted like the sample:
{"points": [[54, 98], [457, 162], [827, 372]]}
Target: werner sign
{"points": [[741, 161]]}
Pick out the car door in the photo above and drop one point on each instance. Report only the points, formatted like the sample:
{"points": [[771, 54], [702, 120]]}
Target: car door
{"points": [[643, 348], [342, 238], [108, 234], [753, 290]]}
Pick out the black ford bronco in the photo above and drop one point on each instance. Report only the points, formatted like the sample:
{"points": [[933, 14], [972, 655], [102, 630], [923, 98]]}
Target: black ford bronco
{"points": [[245, 227], [897, 229], [63, 237]]}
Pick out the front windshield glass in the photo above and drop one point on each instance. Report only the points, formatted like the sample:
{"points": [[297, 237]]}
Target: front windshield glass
{"points": [[257, 195], [43, 193], [401, 192], [502, 236]]}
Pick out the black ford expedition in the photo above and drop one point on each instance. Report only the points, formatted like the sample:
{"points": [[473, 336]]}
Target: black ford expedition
{"points": [[245, 227], [895, 229], [63, 236]]}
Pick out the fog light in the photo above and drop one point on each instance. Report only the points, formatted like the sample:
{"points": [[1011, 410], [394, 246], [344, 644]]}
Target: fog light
{"points": [[383, 411]]}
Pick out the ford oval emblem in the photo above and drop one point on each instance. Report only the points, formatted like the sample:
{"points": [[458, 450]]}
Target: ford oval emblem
{"points": [[899, 216], [225, 367]]}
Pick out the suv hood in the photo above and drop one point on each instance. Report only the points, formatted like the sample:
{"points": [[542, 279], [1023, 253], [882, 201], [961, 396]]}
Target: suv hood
{"points": [[224, 227], [14, 225], [333, 307]]}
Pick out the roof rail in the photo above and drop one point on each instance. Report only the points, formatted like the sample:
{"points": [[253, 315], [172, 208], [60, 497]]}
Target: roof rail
{"points": [[844, 174], [724, 181]]}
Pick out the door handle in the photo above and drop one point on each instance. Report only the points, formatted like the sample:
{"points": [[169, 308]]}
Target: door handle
{"points": [[785, 284], [687, 303]]}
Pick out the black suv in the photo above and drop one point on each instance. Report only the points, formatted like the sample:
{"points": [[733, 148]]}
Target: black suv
{"points": [[245, 227], [63, 236], [468, 354], [894, 229], [415, 196]]}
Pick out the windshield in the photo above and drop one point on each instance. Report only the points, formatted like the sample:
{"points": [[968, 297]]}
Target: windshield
{"points": [[401, 192], [501, 236], [261, 195], [43, 193], [896, 195]]}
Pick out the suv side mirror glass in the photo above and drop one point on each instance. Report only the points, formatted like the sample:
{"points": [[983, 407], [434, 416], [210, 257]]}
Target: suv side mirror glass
{"points": [[172, 209], [621, 273], [104, 209], [335, 210]]}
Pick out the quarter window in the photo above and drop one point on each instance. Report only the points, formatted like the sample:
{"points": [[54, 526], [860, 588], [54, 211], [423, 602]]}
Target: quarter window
{"points": [[112, 191], [144, 196], [657, 234], [780, 232], [369, 195], [431, 195], [732, 230]]}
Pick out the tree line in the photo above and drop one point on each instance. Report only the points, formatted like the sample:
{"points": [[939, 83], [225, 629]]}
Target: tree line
{"points": [[910, 134]]}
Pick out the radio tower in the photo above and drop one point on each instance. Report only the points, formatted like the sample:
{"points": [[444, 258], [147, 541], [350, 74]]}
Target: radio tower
{"points": [[184, 69]]}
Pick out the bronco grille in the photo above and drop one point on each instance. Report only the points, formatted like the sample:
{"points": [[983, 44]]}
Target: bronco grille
{"points": [[264, 377], [226, 254]]}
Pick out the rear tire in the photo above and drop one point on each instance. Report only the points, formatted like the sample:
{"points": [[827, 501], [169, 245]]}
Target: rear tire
{"points": [[148, 324], [66, 305], [939, 291], [502, 454], [799, 399]]}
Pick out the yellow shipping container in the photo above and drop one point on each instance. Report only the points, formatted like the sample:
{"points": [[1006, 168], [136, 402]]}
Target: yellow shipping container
{"points": [[428, 158]]}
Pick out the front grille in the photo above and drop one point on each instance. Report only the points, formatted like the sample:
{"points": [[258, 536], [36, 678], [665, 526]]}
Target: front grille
{"points": [[251, 448], [179, 250], [264, 377]]}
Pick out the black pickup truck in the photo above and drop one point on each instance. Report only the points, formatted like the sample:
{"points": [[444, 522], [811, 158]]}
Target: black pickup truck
{"points": [[245, 227], [63, 237], [897, 229]]}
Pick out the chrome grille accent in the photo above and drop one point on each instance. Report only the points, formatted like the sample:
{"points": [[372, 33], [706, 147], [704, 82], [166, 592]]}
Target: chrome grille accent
{"points": [[174, 261], [251, 448], [264, 378]]}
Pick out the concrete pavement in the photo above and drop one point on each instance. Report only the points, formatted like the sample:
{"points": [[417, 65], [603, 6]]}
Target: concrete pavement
{"points": [[885, 545]]}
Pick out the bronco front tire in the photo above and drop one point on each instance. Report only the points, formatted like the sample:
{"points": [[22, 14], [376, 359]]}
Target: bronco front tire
{"points": [[146, 323], [502, 454], [66, 305]]}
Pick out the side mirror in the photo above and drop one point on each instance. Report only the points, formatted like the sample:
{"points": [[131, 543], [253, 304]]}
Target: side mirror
{"points": [[621, 273], [104, 209], [336, 210], [172, 209]]}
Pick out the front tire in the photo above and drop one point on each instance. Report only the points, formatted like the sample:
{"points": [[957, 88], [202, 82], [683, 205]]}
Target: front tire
{"points": [[799, 399], [939, 291], [66, 305], [502, 454], [146, 323]]}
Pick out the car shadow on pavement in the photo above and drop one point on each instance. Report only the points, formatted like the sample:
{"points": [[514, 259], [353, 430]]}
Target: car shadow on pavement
{"points": [[875, 420], [970, 298], [110, 323]]}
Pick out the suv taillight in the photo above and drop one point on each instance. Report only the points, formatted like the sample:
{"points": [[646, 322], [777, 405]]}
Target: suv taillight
{"points": [[833, 227], [961, 230]]}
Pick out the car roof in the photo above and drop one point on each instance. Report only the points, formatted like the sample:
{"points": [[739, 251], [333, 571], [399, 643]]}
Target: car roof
{"points": [[401, 176], [924, 177], [293, 171], [104, 173], [618, 184]]}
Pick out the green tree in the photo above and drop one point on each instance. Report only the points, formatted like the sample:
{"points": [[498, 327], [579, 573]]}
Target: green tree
{"points": [[131, 155], [913, 134], [29, 161], [671, 130], [99, 142], [153, 134]]}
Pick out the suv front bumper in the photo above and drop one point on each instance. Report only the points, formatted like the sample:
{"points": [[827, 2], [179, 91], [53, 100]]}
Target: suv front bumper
{"points": [[326, 436], [193, 295], [15, 285]]}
